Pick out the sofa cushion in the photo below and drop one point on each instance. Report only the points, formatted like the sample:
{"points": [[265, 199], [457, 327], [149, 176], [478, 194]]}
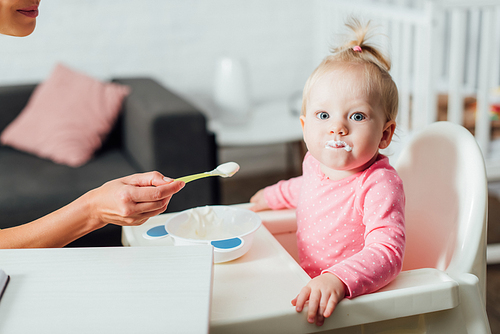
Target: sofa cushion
{"points": [[67, 117]]}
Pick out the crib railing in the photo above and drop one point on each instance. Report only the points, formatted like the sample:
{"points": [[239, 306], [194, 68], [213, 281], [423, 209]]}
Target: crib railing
{"points": [[446, 48]]}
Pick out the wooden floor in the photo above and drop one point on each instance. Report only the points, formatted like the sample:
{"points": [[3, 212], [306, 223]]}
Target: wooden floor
{"points": [[240, 189]]}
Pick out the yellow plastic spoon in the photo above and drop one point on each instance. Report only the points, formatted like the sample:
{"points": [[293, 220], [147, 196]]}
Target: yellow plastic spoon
{"points": [[227, 169]]}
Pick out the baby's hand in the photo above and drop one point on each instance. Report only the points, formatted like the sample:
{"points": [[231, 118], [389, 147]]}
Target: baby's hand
{"points": [[259, 201], [324, 292]]}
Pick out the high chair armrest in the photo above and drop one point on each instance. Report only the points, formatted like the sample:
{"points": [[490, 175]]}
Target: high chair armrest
{"points": [[411, 293], [279, 221]]}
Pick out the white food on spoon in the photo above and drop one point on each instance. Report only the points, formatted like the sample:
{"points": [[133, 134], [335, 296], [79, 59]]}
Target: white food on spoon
{"points": [[227, 169]]}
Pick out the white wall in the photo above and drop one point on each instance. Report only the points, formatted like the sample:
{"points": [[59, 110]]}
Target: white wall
{"points": [[175, 41], [178, 42]]}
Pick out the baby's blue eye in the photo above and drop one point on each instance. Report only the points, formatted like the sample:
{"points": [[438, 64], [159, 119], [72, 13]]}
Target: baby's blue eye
{"points": [[358, 117], [323, 115]]}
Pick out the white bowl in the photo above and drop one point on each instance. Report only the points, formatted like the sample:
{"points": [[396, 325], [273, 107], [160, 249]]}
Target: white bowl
{"points": [[240, 225]]}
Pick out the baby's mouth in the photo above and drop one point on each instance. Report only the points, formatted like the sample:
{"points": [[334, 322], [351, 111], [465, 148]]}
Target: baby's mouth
{"points": [[338, 144]]}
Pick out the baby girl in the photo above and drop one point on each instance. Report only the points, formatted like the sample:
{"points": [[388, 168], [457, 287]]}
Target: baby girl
{"points": [[349, 200]]}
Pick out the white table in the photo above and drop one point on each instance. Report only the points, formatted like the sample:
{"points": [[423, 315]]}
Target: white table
{"points": [[107, 290], [251, 294]]}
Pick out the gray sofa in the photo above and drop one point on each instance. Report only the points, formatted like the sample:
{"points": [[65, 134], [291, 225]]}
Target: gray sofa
{"points": [[157, 130]]}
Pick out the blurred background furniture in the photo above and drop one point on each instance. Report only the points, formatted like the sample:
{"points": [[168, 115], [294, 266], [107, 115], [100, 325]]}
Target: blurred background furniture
{"points": [[445, 60], [270, 123], [156, 130]]}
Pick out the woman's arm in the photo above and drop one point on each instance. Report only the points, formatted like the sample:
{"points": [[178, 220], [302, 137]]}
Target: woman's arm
{"points": [[126, 201]]}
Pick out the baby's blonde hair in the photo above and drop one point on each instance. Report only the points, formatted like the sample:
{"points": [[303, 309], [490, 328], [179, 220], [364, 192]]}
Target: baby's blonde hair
{"points": [[376, 68]]}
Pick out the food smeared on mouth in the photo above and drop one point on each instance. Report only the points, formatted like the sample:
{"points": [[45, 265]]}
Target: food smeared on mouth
{"points": [[333, 144]]}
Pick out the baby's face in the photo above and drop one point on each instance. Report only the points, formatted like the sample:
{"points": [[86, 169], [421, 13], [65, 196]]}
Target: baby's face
{"points": [[344, 126], [18, 17]]}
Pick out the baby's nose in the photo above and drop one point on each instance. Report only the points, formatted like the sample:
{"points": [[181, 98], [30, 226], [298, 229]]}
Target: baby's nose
{"points": [[339, 128]]}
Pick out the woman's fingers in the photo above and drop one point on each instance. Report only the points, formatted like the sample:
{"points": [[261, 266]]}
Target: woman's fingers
{"points": [[152, 208], [133, 199], [140, 194], [146, 179]]}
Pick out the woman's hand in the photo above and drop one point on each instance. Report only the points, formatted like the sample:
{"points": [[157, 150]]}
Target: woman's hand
{"points": [[133, 199], [323, 292], [127, 201], [259, 202]]}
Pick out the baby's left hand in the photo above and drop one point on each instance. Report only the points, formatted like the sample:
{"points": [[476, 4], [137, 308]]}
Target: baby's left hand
{"points": [[259, 202], [324, 292]]}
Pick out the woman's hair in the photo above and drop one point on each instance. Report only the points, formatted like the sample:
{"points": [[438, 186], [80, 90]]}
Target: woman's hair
{"points": [[354, 52]]}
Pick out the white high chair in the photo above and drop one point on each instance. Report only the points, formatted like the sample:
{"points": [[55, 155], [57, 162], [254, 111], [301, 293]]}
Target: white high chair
{"points": [[442, 286], [445, 185]]}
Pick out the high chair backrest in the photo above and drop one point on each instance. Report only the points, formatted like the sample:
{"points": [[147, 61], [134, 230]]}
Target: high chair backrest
{"points": [[444, 179]]}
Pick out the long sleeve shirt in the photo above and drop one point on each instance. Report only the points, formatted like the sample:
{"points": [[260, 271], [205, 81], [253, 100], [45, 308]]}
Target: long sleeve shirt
{"points": [[353, 228]]}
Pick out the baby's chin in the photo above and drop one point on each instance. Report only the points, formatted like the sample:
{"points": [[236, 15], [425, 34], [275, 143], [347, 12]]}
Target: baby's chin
{"points": [[337, 168]]}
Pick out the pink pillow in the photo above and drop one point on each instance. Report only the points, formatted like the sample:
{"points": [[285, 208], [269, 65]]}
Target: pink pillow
{"points": [[66, 118]]}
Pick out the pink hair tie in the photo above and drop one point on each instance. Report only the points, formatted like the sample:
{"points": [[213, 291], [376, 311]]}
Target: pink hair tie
{"points": [[357, 48]]}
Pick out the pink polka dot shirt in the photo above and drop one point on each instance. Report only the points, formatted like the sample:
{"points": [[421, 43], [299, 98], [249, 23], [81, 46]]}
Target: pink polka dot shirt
{"points": [[353, 228]]}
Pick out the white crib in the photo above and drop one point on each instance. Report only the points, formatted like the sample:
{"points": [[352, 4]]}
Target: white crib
{"points": [[439, 48]]}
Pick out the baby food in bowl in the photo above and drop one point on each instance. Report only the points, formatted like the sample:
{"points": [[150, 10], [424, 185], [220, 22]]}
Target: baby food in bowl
{"points": [[230, 230]]}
